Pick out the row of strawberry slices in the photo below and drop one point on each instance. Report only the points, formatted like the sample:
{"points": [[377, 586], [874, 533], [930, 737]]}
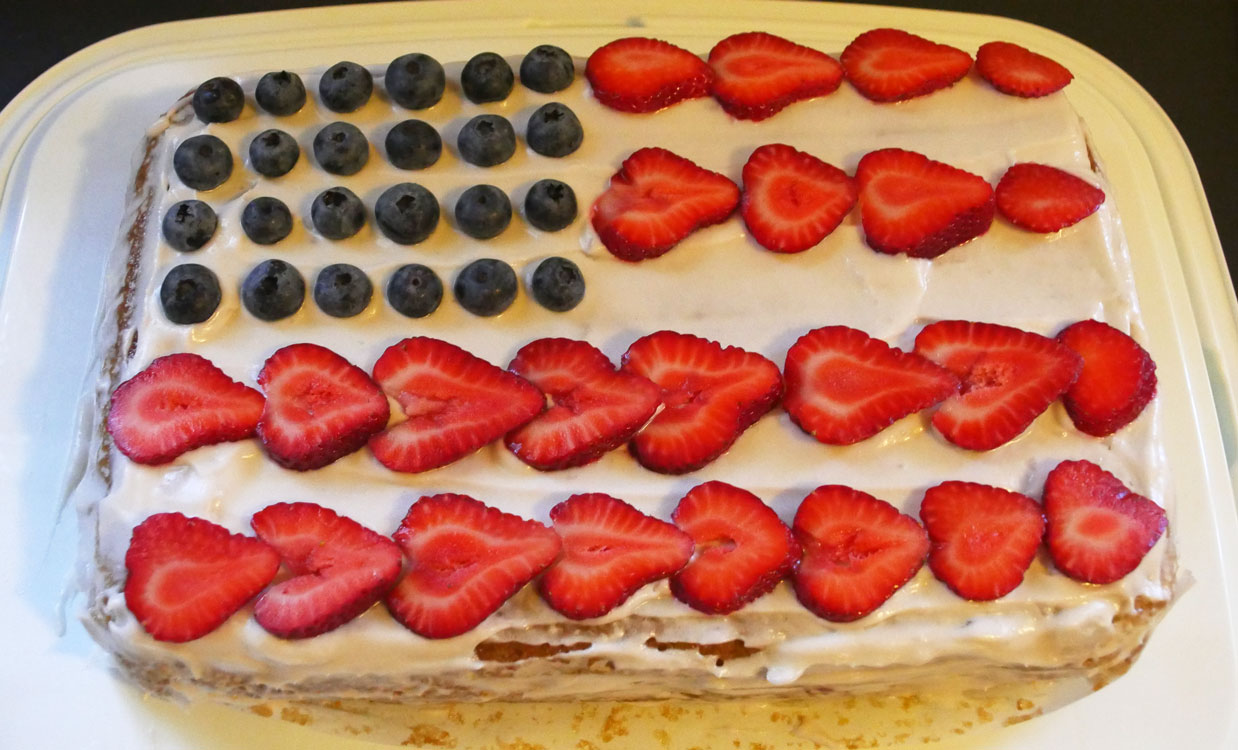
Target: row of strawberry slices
{"points": [[454, 561], [754, 75], [791, 200], [679, 400]]}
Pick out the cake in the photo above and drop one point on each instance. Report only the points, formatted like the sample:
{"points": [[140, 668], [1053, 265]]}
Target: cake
{"points": [[718, 284]]}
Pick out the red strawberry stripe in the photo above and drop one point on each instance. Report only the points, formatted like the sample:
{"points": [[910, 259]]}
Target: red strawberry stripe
{"points": [[742, 549], [340, 569], [637, 74], [1045, 199], [655, 200], [888, 65], [844, 386], [454, 403], [187, 576], [319, 407], [178, 403], [1018, 71], [793, 200], [1117, 380], [984, 538], [593, 407], [465, 560], [610, 550], [757, 74]]}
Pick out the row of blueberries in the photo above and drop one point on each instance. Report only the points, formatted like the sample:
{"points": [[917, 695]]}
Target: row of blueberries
{"points": [[204, 162], [275, 289], [413, 81], [406, 213]]}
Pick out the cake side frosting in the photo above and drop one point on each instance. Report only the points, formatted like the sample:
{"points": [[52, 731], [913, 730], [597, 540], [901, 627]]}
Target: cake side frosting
{"points": [[717, 284]]}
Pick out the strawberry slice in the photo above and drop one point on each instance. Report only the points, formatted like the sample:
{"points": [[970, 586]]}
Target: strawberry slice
{"points": [[1045, 199], [1117, 380], [187, 576], [791, 199], [178, 403], [593, 408], [756, 74], [844, 386], [454, 402], [742, 548], [889, 65], [339, 567], [710, 395], [1009, 377], [464, 560], [655, 200], [914, 205], [637, 74], [610, 550], [1018, 71], [1098, 529], [858, 551], [984, 538], [319, 407]]}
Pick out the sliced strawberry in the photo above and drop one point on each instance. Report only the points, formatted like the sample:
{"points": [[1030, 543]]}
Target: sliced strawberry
{"points": [[454, 403], [844, 386], [339, 567], [655, 200], [858, 551], [178, 403], [757, 74], [1117, 380], [1009, 377], [1098, 529], [610, 550], [791, 199], [914, 205], [636, 74], [319, 407], [742, 548], [984, 538], [464, 560], [1045, 199], [1018, 71], [187, 575], [593, 408], [889, 65], [710, 395]]}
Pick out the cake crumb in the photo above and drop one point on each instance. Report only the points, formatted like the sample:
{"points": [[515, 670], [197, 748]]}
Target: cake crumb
{"points": [[262, 709], [295, 716], [586, 745], [614, 725], [519, 744], [425, 734], [663, 737]]}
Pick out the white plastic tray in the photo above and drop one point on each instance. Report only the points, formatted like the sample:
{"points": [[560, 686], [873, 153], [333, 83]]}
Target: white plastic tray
{"points": [[65, 149]]}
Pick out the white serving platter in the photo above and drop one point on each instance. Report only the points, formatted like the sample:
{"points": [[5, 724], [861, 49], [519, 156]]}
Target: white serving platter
{"points": [[66, 144]]}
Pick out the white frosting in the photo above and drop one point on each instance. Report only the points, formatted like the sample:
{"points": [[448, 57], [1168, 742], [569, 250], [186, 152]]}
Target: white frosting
{"points": [[717, 284]]}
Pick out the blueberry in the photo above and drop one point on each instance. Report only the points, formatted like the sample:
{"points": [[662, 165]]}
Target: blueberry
{"points": [[557, 284], [345, 87], [218, 100], [486, 140], [280, 93], [413, 144], [342, 290], [554, 130], [414, 290], [273, 153], [407, 213], [547, 69], [486, 287], [483, 211], [341, 148], [487, 78], [189, 294], [203, 162], [189, 225], [550, 205], [266, 220], [273, 290], [337, 213], [415, 81]]}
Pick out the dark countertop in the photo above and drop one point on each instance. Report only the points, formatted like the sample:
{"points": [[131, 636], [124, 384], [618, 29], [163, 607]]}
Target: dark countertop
{"points": [[1184, 54]]}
